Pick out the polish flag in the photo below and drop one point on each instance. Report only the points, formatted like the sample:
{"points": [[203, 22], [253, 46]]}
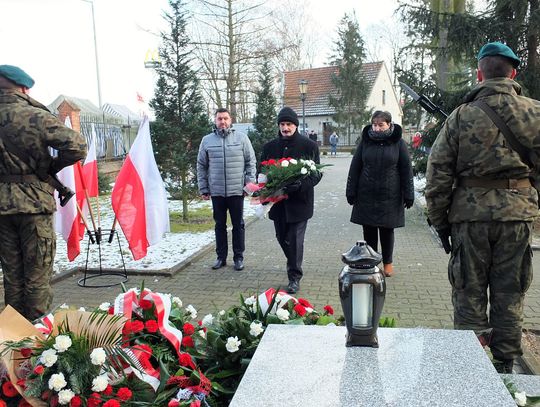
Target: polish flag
{"points": [[138, 198], [67, 220], [89, 168]]}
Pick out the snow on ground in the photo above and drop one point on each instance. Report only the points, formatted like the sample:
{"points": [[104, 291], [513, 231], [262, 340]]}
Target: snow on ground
{"points": [[173, 249]]}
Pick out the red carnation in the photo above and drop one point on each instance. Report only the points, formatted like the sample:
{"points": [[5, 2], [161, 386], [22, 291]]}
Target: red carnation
{"points": [[151, 326], [9, 390], [305, 302], [108, 390], [173, 403], [189, 329], [145, 304], [75, 401], [39, 369], [124, 393], [185, 360], [111, 403], [53, 402], [21, 383], [187, 341], [136, 326], [111, 310], [26, 352], [300, 310], [271, 161], [196, 403], [329, 309], [94, 400], [264, 162], [3, 403], [145, 349]]}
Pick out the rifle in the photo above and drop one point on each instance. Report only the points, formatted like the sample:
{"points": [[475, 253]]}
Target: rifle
{"points": [[423, 101]]}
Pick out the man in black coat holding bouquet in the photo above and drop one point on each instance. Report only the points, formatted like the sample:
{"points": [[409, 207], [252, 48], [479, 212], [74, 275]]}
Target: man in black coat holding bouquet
{"points": [[290, 215]]}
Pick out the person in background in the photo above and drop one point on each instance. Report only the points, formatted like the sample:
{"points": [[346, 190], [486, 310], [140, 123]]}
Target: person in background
{"points": [[482, 203], [313, 136], [333, 140], [27, 204], [380, 184], [225, 164], [290, 215]]}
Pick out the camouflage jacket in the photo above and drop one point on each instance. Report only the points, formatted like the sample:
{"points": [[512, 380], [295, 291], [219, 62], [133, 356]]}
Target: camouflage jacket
{"points": [[470, 145], [32, 128]]}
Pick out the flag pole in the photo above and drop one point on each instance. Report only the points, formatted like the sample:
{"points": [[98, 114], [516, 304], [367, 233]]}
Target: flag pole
{"points": [[87, 197], [85, 222]]}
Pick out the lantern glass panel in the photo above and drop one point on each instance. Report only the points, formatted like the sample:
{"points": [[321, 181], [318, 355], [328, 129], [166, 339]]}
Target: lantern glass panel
{"points": [[362, 305]]}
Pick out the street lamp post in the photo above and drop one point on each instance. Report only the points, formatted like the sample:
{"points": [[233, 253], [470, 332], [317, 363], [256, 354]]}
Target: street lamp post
{"points": [[303, 85], [95, 51]]}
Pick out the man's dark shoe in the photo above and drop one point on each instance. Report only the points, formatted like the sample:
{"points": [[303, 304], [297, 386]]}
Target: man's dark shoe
{"points": [[504, 366], [219, 264], [293, 287], [239, 265]]}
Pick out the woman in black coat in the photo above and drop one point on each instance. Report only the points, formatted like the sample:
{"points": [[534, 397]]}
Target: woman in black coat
{"points": [[380, 184]]}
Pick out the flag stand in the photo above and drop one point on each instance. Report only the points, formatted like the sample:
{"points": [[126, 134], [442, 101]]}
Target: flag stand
{"points": [[96, 236]]}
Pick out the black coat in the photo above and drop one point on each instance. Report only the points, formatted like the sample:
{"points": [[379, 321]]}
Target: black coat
{"points": [[299, 205], [380, 180]]}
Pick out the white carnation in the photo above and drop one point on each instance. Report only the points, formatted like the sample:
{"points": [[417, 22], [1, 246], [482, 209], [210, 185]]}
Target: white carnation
{"points": [[293, 161], [62, 343], [65, 396], [191, 309], [222, 312], [309, 310], [233, 344], [49, 357], [250, 301], [202, 334], [284, 163], [521, 398], [104, 306], [100, 383], [177, 301], [82, 309], [64, 306], [282, 314], [207, 320], [57, 382], [98, 356], [303, 171], [255, 329]]}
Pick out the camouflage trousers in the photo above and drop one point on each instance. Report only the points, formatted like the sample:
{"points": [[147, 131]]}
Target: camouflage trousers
{"points": [[492, 258], [27, 249]]}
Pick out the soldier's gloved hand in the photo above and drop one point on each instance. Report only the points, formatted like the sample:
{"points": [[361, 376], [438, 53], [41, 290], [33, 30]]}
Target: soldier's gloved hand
{"points": [[293, 187], [408, 203], [444, 234], [351, 199]]}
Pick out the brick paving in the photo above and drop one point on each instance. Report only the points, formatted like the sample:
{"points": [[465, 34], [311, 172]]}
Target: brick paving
{"points": [[418, 295]]}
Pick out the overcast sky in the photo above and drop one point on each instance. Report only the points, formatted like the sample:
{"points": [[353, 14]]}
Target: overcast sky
{"points": [[52, 40]]}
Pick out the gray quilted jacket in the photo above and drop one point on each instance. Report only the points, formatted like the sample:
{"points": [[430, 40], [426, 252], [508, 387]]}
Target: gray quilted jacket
{"points": [[226, 162]]}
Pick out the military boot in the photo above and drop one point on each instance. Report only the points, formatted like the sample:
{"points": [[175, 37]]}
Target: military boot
{"points": [[504, 366]]}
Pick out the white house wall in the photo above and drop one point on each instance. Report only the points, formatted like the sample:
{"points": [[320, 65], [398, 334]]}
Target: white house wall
{"points": [[391, 103]]}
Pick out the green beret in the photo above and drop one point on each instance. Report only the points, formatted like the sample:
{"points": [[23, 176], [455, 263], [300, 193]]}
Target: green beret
{"points": [[500, 49], [16, 75]]}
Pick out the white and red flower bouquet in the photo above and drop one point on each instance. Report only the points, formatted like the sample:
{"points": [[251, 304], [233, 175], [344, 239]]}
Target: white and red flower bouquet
{"points": [[275, 176]]}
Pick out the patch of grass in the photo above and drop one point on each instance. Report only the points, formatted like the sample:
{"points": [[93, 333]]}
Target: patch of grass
{"points": [[200, 220]]}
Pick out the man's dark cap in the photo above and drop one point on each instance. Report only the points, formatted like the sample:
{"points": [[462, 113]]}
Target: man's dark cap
{"points": [[16, 75], [499, 49], [288, 115]]}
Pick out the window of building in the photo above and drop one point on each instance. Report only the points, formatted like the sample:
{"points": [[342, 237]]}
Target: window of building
{"points": [[383, 97]]}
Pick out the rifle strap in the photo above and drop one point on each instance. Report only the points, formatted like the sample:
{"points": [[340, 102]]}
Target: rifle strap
{"points": [[527, 156]]}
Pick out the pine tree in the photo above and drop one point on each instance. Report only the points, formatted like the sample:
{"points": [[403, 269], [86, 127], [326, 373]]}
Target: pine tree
{"points": [[265, 114], [349, 82], [180, 115]]}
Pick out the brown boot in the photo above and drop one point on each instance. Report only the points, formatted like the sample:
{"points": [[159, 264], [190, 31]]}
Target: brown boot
{"points": [[388, 270]]}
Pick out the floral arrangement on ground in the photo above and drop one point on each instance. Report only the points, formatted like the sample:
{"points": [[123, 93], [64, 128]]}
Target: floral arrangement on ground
{"points": [[143, 349]]}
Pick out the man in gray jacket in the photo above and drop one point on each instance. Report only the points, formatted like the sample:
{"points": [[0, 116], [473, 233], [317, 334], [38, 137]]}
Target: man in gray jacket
{"points": [[226, 162]]}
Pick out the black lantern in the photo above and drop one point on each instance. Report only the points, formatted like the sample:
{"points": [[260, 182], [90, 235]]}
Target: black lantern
{"points": [[362, 289]]}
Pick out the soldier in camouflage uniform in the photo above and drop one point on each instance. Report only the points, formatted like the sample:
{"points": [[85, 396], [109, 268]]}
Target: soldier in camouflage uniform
{"points": [[479, 193], [27, 238]]}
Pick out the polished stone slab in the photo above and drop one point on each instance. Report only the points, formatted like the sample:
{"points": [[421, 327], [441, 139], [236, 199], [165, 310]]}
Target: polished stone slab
{"points": [[310, 366]]}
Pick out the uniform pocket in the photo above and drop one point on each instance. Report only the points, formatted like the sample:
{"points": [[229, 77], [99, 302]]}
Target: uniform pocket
{"points": [[526, 270], [456, 273], [46, 241]]}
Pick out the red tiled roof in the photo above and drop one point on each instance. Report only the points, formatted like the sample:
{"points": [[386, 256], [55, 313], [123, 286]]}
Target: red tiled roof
{"points": [[320, 87]]}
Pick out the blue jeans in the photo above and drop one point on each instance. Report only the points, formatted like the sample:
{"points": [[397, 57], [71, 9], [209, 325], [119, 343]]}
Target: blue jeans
{"points": [[333, 149]]}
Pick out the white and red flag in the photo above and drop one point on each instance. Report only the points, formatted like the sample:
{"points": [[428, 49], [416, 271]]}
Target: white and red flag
{"points": [[90, 168], [139, 198], [67, 219]]}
